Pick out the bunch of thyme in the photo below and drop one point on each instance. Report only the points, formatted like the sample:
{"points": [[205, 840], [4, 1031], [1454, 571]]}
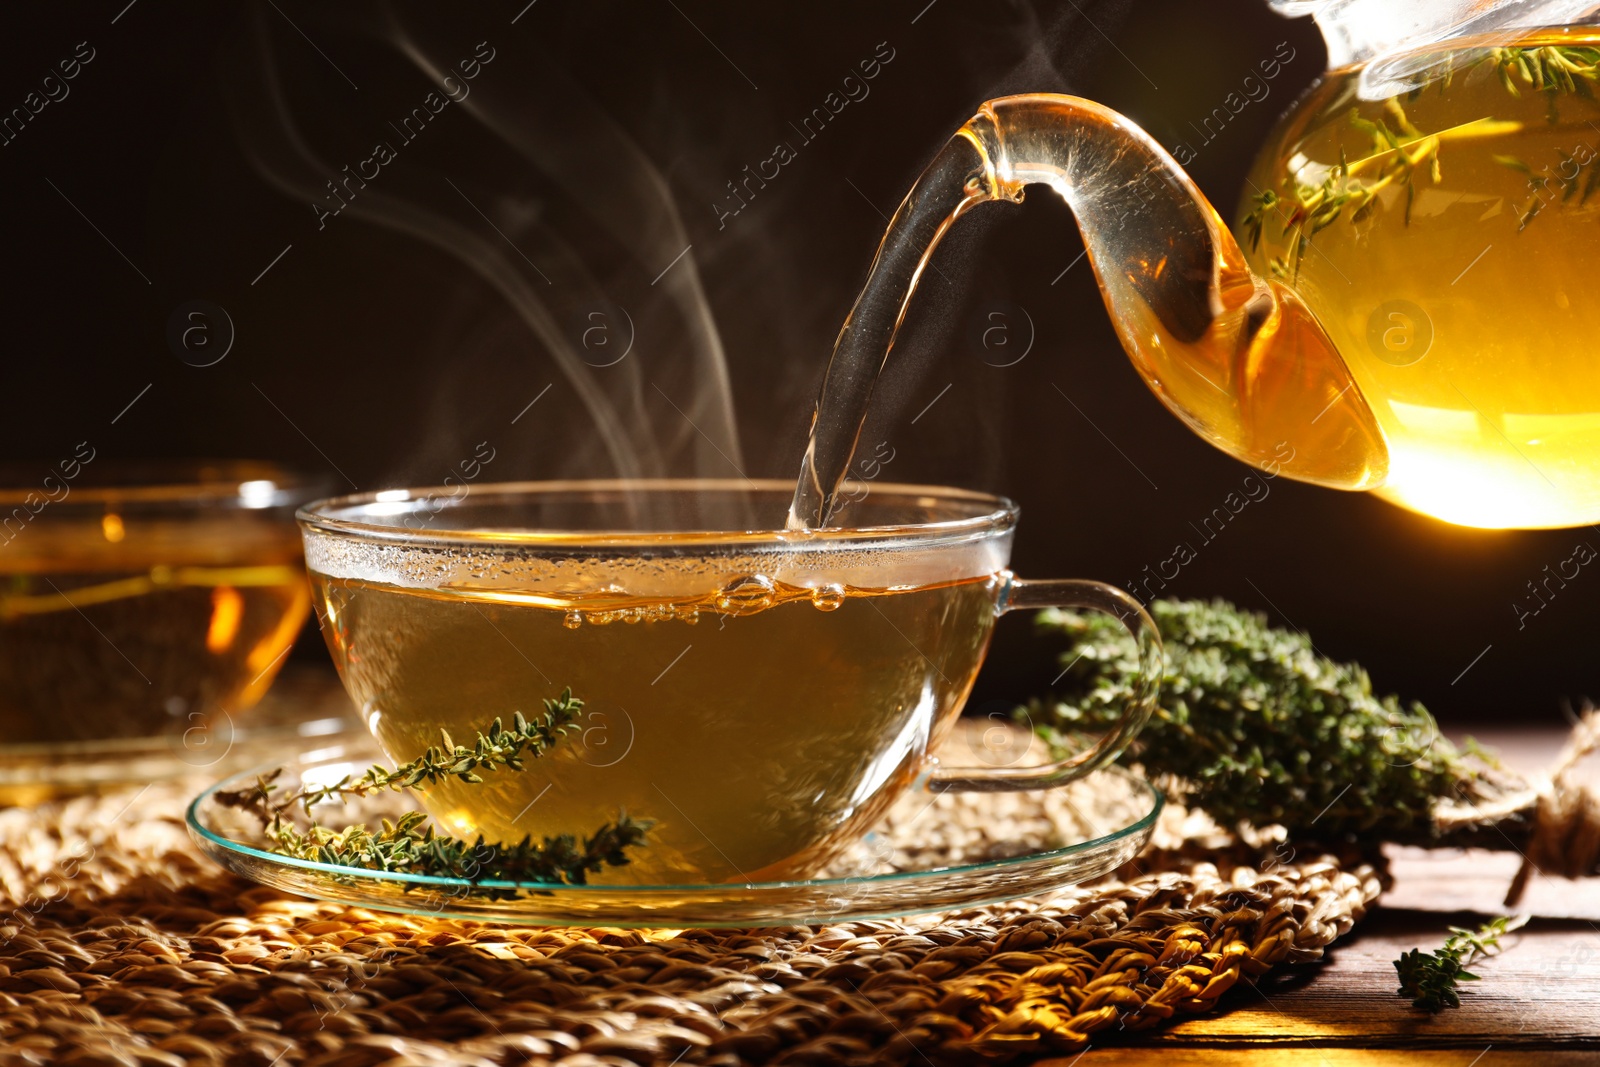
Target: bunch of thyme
{"points": [[1256, 727], [410, 844]]}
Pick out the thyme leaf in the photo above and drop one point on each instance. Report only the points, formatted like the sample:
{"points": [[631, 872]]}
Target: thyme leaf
{"points": [[411, 845], [1430, 978]]}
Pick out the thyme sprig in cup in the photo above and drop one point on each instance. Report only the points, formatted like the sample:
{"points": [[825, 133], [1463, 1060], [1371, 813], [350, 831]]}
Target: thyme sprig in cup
{"points": [[410, 845]]}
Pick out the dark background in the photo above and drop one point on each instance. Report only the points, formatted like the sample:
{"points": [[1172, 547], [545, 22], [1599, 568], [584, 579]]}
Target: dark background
{"points": [[380, 359]]}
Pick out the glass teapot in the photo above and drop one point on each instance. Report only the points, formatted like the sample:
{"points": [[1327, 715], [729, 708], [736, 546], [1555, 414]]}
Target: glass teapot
{"points": [[1401, 305]]}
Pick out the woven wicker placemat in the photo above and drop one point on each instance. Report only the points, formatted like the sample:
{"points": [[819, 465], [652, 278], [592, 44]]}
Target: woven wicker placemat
{"points": [[120, 944]]}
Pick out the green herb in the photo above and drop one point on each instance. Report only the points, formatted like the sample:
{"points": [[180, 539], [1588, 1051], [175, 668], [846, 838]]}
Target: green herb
{"points": [[411, 845], [1551, 69], [1430, 978], [1539, 184], [498, 748], [1399, 151], [1254, 726]]}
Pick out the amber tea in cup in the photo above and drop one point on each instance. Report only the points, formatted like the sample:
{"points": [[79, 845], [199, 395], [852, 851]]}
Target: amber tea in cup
{"points": [[138, 601], [761, 695]]}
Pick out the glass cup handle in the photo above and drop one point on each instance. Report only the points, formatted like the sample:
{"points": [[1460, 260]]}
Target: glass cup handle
{"points": [[1071, 593]]}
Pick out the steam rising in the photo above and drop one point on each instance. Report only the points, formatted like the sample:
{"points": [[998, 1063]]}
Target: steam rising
{"points": [[547, 198], [578, 172]]}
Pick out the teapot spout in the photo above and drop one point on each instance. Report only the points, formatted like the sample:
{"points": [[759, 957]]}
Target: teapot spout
{"points": [[1240, 359]]}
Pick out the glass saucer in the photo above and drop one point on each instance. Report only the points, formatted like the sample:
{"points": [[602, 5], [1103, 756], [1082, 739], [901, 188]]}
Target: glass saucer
{"points": [[933, 853]]}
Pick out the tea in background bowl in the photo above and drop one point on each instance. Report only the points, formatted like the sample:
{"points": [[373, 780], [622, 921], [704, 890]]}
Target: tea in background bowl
{"points": [[138, 604], [762, 695]]}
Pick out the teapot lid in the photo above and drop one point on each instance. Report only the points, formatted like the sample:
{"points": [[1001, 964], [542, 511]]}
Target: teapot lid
{"points": [[1391, 36]]}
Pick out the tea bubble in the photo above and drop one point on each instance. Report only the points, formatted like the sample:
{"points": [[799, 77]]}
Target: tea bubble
{"points": [[742, 596], [572, 620], [828, 597]]}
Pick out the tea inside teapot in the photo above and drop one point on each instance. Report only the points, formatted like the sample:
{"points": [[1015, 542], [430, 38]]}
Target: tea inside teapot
{"points": [[1442, 236]]}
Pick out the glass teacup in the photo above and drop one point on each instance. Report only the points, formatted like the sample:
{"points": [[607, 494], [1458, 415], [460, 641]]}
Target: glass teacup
{"points": [[762, 695], [138, 603]]}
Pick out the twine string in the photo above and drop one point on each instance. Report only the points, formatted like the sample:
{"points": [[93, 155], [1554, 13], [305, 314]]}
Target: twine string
{"points": [[1566, 814]]}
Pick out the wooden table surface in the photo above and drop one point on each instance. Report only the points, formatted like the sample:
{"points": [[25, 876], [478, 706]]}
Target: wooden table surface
{"points": [[1538, 1001]]}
